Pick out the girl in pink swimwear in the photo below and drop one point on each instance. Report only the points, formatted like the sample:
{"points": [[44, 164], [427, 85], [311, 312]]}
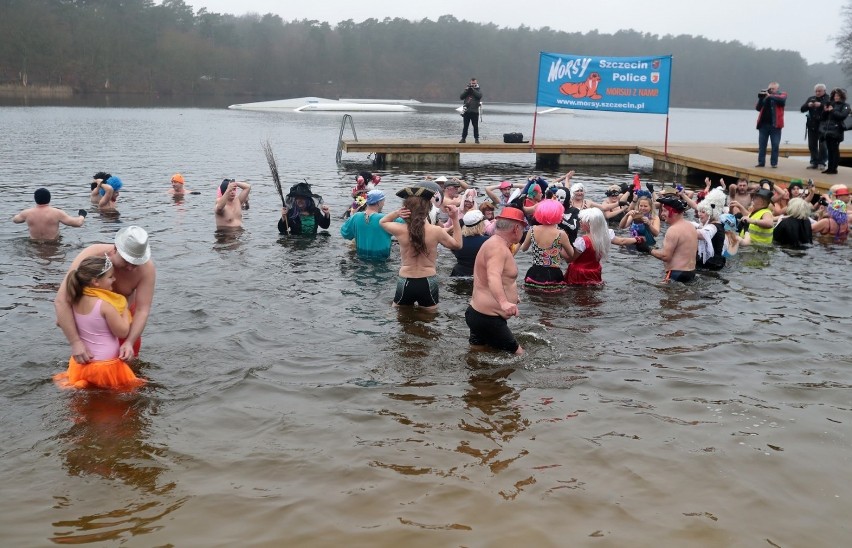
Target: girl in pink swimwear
{"points": [[102, 318]]}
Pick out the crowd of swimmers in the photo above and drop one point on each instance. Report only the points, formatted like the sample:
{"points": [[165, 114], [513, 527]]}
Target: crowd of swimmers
{"points": [[104, 301]]}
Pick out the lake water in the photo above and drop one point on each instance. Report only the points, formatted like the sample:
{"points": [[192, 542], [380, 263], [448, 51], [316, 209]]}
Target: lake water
{"points": [[290, 405]]}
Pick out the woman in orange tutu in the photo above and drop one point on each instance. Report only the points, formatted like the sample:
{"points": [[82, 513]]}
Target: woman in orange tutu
{"points": [[102, 318]]}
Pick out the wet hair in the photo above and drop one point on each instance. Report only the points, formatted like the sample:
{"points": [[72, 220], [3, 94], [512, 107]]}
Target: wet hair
{"points": [[417, 222], [91, 268], [41, 196], [598, 231]]}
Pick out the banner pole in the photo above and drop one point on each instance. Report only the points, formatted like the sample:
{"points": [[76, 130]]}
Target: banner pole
{"points": [[535, 110], [535, 119], [668, 107]]}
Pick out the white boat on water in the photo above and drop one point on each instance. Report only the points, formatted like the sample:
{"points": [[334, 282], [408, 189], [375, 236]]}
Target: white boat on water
{"points": [[319, 104]]}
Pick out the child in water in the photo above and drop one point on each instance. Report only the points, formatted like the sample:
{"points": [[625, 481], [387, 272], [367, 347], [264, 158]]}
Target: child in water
{"points": [[102, 318]]}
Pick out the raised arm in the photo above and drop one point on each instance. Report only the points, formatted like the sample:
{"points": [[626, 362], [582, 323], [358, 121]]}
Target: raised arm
{"points": [[389, 224], [245, 189], [453, 241], [108, 192]]}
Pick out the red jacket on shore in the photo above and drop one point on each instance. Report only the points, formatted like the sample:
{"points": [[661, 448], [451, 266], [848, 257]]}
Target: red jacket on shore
{"points": [[775, 102]]}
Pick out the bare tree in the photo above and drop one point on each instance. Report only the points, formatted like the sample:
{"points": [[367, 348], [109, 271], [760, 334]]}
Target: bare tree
{"points": [[844, 41]]}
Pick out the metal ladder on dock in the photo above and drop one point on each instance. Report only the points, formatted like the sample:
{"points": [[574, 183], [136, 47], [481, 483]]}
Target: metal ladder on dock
{"points": [[346, 118]]}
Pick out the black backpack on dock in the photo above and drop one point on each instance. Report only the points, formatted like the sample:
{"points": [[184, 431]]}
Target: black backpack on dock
{"points": [[514, 138]]}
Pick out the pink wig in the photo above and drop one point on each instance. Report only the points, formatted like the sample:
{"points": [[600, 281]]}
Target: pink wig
{"points": [[549, 212]]}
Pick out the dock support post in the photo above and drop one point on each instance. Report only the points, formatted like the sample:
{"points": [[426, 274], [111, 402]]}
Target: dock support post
{"points": [[676, 169], [559, 160]]}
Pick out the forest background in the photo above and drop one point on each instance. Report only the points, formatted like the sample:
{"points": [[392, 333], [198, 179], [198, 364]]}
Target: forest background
{"points": [[139, 46]]}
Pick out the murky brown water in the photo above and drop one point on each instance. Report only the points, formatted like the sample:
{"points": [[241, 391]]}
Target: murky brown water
{"points": [[290, 405]]}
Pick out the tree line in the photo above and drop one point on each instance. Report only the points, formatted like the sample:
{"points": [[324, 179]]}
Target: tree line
{"points": [[139, 46]]}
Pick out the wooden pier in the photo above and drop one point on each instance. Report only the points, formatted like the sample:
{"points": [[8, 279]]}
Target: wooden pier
{"points": [[682, 159]]}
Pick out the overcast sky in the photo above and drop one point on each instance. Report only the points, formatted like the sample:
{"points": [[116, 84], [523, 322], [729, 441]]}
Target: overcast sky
{"points": [[776, 24]]}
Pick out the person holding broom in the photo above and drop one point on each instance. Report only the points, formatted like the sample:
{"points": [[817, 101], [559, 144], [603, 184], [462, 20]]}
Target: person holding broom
{"points": [[303, 212]]}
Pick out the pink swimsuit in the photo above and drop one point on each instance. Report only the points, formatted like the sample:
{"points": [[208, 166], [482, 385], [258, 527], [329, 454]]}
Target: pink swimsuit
{"points": [[95, 333]]}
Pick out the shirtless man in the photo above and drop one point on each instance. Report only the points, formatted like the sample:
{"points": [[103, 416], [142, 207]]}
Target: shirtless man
{"points": [[740, 193], [229, 207], [418, 247], [135, 276], [495, 291], [43, 220], [680, 246]]}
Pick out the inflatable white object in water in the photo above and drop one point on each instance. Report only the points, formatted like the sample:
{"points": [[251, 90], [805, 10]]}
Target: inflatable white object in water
{"points": [[318, 104]]}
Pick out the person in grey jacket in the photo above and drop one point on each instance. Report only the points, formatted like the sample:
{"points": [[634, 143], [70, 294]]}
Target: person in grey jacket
{"points": [[472, 98]]}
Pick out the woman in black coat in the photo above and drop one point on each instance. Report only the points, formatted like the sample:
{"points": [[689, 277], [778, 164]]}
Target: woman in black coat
{"points": [[833, 115]]}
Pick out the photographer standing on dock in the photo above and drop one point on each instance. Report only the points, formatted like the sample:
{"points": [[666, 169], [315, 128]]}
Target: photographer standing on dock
{"points": [[472, 98], [770, 122]]}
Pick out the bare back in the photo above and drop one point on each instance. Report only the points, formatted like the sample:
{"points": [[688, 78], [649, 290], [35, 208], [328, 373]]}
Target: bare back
{"points": [[682, 238], [418, 265], [43, 221]]}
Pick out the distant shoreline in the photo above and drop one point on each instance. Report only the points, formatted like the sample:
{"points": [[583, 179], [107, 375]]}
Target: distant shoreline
{"points": [[17, 90]]}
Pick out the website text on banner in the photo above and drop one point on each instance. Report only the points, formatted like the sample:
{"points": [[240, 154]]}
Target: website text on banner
{"points": [[620, 84]]}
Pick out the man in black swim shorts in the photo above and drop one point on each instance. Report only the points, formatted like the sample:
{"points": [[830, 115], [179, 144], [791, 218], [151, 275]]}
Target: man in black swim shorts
{"points": [[495, 289]]}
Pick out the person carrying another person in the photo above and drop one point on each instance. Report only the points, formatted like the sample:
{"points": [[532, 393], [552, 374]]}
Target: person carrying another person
{"points": [[759, 222], [43, 220], [832, 127], [770, 122], [549, 246], [472, 100], [229, 206], [135, 277], [680, 244], [495, 291], [301, 214], [372, 242], [101, 318], [418, 247], [813, 109], [473, 236]]}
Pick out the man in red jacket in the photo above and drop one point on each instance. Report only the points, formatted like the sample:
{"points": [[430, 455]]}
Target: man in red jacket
{"points": [[770, 121]]}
